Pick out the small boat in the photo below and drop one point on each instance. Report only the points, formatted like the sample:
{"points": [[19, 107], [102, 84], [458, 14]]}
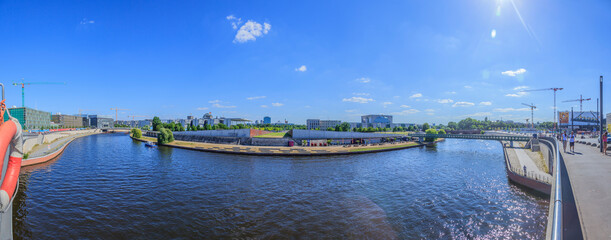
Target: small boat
{"points": [[150, 144]]}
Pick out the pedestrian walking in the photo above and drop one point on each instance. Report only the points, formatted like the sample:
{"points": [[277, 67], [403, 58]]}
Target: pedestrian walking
{"points": [[572, 142], [604, 143], [524, 170], [564, 141]]}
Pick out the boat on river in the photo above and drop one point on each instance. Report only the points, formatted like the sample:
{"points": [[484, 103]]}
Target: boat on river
{"points": [[150, 144]]}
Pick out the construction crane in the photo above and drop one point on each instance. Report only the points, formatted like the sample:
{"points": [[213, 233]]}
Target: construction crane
{"points": [[31, 83], [532, 109], [580, 100], [117, 112], [547, 89]]}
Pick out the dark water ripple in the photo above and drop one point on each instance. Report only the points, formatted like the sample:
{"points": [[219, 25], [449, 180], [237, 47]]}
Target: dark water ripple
{"points": [[109, 187]]}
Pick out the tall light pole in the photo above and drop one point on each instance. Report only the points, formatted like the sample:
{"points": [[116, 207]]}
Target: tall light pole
{"points": [[601, 114]]}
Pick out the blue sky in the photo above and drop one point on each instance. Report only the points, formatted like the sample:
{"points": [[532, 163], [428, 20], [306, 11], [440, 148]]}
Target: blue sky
{"points": [[421, 61]]}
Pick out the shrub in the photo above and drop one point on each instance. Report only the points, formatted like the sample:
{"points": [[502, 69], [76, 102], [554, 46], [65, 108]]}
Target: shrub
{"points": [[136, 132], [165, 136], [441, 131], [430, 131]]}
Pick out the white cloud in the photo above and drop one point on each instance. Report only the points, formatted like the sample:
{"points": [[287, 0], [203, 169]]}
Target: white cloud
{"points": [[386, 103], [479, 114], [511, 109], [234, 21], [202, 108], [255, 98], [85, 21], [417, 95], [444, 100], [485, 103], [404, 106], [264, 106], [514, 73], [250, 31], [520, 88], [350, 110], [357, 100], [361, 94], [276, 104], [406, 112], [216, 105], [214, 101], [307, 106], [468, 87], [303, 68], [451, 92], [429, 110], [266, 27], [463, 104], [518, 94], [363, 80]]}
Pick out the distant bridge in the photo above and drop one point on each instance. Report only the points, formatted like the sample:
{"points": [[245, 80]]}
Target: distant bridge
{"points": [[473, 136]]}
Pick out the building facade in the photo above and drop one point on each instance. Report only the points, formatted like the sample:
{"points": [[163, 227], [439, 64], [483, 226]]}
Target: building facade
{"points": [[99, 121], [30, 118], [381, 121], [67, 120], [267, 120], [312, 124]]}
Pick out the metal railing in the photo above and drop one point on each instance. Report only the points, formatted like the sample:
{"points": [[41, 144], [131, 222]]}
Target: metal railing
{"points": [[557, 214]]}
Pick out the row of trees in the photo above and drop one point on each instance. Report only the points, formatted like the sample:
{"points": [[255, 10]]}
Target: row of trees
{"points": [[177, 127]]}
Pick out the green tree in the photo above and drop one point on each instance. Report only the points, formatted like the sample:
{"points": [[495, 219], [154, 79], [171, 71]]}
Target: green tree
{"points": [[453, 125], [425, 127], [430, 131], [330, 129], [137, 133], [442, 131], [221, 126], [156, 123], [165, 136]]}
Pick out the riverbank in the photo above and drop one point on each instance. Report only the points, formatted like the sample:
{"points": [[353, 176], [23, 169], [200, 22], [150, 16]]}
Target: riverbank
{"points": [[51, 146], [284, 151], [536, 176]]}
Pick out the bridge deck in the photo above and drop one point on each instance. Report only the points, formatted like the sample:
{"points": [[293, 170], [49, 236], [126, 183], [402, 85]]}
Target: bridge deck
{"points": [[590, 175], [475, 136]]}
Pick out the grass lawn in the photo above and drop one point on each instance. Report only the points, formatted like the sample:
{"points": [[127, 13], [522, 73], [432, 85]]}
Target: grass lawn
{"points": [[272, 135], [382, 147]]}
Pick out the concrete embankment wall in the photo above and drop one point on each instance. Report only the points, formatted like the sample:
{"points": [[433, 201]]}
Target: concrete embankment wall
{"points": [[527, 181], [30, 143]]}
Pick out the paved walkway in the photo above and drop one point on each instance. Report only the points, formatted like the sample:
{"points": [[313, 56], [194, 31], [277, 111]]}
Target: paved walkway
{"points": [[590, 175], [518, 158]]}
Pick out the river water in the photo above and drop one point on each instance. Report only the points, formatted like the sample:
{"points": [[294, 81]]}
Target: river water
{"points": [[111, 187]]}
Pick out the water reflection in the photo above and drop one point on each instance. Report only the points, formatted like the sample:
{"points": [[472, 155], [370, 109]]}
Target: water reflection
{"points": [[109, 186]]}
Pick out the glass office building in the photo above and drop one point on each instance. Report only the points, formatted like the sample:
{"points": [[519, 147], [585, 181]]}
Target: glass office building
{"points": [[30, 118]]}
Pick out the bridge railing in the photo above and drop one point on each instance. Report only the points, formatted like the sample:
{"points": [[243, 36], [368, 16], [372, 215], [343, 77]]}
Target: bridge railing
{"points": [[474, 136], [557, 213]]}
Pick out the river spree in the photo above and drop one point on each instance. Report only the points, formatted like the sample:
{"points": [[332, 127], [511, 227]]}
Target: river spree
{"points": [[111, 187]]}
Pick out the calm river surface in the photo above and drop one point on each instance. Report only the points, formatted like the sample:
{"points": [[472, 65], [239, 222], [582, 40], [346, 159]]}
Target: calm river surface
{"points": [[111, 187]]}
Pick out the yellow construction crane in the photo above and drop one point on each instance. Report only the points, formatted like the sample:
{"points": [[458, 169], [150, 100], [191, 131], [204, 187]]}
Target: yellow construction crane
{"points": [[117, 112], [22, 83]]}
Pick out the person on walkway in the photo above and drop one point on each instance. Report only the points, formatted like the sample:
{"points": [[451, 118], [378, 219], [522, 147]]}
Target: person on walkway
{"points": [[572, 142], [524, 170], [604, 143], [564, 141]]}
